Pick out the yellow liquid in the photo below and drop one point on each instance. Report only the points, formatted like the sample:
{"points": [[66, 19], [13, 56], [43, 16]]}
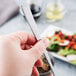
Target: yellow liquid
{"points": [[55, 13]]}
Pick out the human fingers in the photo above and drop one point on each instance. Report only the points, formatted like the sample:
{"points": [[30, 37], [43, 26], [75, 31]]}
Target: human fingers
{"points": [[23, 37], [39, 63], [35, 72], [37, 50]]}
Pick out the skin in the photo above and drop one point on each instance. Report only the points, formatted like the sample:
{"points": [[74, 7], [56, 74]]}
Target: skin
{"points": [[20, 54]]}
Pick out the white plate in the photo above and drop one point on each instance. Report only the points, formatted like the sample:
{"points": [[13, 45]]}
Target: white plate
{"points": [[49, 32]]}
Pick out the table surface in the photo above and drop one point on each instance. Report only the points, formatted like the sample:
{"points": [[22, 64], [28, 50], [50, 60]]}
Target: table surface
{"points": [[68, 22]]}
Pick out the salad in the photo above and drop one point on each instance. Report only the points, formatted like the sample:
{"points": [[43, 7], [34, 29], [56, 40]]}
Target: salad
{"points": [[64, 45]]}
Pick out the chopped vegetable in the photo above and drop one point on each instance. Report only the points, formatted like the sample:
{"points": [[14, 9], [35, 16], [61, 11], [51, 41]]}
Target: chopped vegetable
{"points": [[63, 44], [73, 62], [66, 52], [54, 47]]}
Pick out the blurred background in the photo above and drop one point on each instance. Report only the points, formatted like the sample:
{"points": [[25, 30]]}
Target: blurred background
{"points": [[11, 19], [60, 13]]}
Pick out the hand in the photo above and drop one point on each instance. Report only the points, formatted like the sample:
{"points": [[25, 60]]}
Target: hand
{"points": [[19, 55]]}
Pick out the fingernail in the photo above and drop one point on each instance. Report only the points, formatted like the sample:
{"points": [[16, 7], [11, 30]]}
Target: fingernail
{"points": [[46, 42]]}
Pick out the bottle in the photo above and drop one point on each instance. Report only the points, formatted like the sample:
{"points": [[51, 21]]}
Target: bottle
{"points": [[36, 8], [55, 11]]}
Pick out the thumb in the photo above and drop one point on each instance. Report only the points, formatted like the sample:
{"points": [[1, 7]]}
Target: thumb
{"points": [[39, 48]]}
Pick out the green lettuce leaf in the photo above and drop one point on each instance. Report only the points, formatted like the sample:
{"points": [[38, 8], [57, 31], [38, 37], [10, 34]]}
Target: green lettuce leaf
{"points": [[73, 62], [54, 42], [66, 52]]}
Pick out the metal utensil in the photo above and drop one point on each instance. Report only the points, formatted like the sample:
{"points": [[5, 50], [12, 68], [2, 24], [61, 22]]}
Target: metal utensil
{"points": [[27, 13]]}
